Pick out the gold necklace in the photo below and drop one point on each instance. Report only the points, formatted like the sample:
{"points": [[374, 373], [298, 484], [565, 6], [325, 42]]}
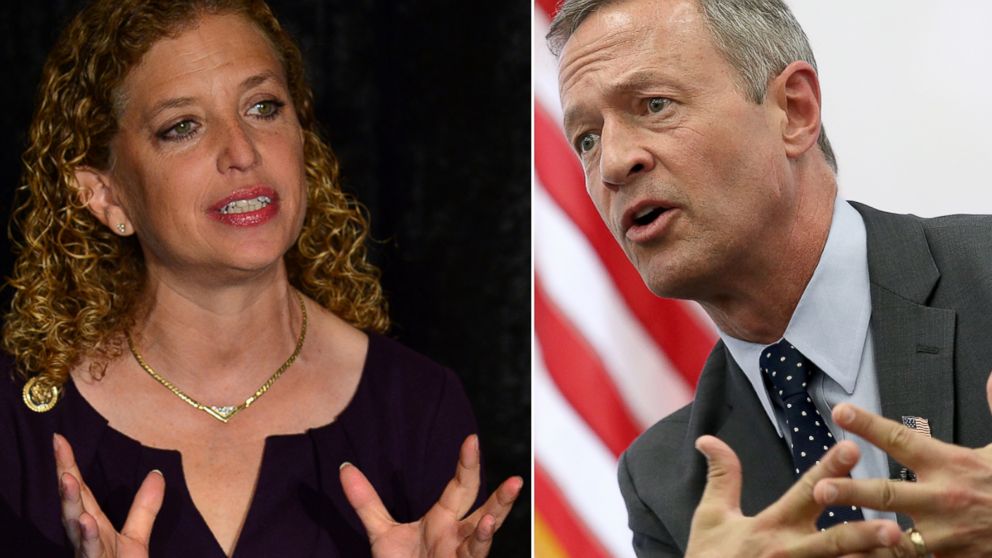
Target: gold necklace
{"points": [[224, 413]]}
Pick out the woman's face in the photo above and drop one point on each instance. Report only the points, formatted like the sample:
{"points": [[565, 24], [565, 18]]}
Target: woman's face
{"points": [[208, 162]]}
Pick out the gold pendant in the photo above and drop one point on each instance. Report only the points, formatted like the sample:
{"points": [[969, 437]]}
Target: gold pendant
{"points": [[221, 413], [40, 398]]}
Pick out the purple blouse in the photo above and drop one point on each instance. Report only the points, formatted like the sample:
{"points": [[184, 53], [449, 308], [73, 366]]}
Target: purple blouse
{"points": [[403, 429]]}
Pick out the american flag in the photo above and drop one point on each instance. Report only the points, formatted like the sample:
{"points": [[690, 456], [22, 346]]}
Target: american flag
{"points": [[918, 424], [610, 358]]}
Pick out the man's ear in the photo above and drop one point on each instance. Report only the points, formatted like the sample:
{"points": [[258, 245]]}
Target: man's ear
{"points": [[96, 192], [796, 93]]}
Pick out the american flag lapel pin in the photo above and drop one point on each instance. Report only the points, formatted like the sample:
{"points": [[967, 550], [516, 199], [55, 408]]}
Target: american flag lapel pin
{"points": [[921, 426]]}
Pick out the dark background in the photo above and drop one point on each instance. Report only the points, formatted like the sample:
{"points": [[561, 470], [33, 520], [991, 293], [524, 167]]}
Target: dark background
{"points": [[427, 104]]}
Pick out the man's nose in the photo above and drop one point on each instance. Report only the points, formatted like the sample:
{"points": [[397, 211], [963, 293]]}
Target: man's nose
{"points": [[623, 154]]}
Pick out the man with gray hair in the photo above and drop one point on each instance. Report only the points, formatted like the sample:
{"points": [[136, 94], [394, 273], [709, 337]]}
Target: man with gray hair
{"points": [[697, 123]]}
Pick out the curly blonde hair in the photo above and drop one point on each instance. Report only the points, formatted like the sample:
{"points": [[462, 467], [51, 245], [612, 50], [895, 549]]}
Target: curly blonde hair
{"points": [[75, 283]]}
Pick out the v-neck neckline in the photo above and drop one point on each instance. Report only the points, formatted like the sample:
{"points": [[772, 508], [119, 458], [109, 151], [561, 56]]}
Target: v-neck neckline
{"points": [[174, 458]]}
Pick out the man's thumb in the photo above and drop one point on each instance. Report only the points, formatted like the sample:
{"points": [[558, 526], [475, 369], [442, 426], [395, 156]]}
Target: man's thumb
{"points": [[723, 476]]}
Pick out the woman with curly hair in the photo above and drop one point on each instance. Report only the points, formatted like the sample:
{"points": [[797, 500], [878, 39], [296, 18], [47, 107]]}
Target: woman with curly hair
{"points": [[195, 326]]}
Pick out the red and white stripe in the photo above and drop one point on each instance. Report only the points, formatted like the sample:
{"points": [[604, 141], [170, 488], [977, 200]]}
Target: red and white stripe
{"points": [[610, 358]]}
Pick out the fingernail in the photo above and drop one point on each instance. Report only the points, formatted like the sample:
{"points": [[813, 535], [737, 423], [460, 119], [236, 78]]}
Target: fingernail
{"points": [[829, 492], [343, 465], [475, 443], [845, 456], [159, 472], [885, 536], [702, 451], [847, 414], [55, 442]]}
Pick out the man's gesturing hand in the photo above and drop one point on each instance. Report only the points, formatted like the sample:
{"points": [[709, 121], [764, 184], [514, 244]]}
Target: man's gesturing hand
{"points": [[787, 527], [951, 501]]}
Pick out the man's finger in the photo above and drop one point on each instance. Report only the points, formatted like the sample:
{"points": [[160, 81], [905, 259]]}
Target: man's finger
{"points": [[363, 497], [851, 538], [902, 444], [988, 391], [723, 474], [878, 494], [462, 490], [144, 509], [798, 502]]}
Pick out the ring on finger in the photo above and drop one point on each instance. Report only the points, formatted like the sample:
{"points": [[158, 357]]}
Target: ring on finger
{"points": [[918, 544]]}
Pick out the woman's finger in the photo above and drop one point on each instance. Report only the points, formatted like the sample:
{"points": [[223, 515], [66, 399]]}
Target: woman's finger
{"points": [[72, 507], [462, 490], [478, 543], [499, 503], [144, 509], [363, 497], [65, 462], [91, 545]]}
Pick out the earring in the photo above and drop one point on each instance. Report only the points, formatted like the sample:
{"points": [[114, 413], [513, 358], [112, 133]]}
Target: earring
{"points": [[121, 228]]}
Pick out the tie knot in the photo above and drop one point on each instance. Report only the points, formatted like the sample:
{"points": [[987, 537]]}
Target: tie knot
{"points": [[786, 368]]}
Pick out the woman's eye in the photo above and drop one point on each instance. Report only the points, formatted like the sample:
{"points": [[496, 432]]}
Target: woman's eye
{"points": [[180, 131], [266, 109], [658, 104], [587, 143]]}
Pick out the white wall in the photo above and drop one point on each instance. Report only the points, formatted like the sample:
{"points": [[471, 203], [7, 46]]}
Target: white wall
{"points": [[907, 100]]}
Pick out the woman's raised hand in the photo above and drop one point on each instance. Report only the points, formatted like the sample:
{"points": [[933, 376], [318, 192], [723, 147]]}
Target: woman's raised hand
{"points": [[444, 531], [90, 531]]}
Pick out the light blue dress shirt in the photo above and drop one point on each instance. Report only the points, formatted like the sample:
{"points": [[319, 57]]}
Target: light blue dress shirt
{"points": [[830, 326]]}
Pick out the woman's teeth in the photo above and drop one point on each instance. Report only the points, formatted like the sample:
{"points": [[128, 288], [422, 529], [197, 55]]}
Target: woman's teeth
{"points": [[245, 206]]}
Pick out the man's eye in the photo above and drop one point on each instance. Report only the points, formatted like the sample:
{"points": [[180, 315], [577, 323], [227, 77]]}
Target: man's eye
{"points": [[658, 104], [587, 143]]}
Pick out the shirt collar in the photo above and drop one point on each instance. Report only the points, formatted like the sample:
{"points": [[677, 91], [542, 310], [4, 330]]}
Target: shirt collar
{"points": [[830, 323]]}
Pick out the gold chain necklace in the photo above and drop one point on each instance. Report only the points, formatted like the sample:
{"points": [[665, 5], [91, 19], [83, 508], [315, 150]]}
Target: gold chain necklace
{"points": [[224, 413]]}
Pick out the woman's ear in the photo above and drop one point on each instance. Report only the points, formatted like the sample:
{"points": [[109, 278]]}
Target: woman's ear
{"points": [[96, 192]]}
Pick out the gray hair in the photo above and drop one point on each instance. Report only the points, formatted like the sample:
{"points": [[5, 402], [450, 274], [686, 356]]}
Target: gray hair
{"points": [[759, 38]]}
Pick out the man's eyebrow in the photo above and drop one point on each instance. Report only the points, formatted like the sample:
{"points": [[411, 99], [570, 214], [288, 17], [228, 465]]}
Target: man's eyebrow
{"points": [[632, 82], [572, 114], [639, 79]]}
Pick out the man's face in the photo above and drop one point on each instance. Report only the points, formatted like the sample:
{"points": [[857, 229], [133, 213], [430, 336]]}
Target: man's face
{"points": [[685, 170]]}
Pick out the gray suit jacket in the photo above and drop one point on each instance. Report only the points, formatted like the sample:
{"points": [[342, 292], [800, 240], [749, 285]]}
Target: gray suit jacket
{"points": [[931, 297]]}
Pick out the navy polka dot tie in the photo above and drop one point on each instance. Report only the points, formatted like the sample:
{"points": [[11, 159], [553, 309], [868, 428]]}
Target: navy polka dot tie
{"points": [[787, 372]]}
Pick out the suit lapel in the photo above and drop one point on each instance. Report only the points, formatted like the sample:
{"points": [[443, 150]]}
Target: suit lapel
{"points": [[765, 461], [914, 343], [725, 406]]}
